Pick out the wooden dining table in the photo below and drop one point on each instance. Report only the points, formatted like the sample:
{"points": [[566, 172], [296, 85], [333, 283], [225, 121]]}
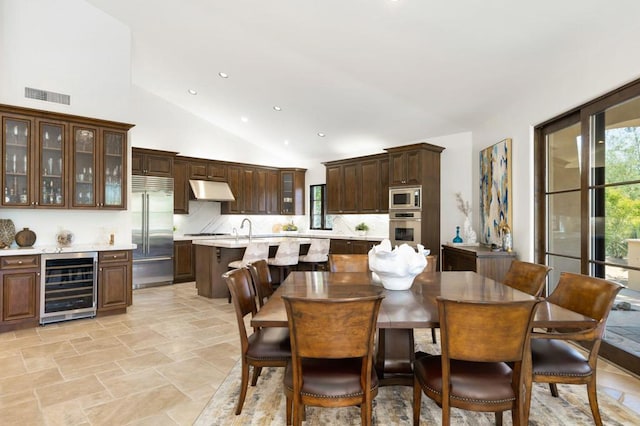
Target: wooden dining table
{"points": [[402, 311]]}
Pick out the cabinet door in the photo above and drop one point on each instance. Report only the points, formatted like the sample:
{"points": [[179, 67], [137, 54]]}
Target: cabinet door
{"points": [[414, 167], [51, 188], [334, 183], [113, 165], [249, 193], [158, 165], [261, 191], [339, 246], [272, 193], [18, 163], [217, 171], [350, 186], [180, 187], [234, 179], [20, 295], [137, 163], [113, 286], [384, 185], [397, 168], [369, 185], [183, 262], [84, 159]]}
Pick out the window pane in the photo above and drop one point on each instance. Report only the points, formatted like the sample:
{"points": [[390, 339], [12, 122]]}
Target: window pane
{"points": [[564, 159], [564, 218], [560, 264]]}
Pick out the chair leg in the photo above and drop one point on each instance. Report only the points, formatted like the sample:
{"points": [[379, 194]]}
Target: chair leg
{"points": [[288, 409], [417, 401], [499, 418], [256, 374], [554, 389], [243, 386], [433, 335], [593, 400]]}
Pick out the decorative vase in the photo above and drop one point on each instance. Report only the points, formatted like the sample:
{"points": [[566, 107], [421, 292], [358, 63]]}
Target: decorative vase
{"points": [[25, 238], [7, 233], [64, 238], [457, 239], [469, 234]]}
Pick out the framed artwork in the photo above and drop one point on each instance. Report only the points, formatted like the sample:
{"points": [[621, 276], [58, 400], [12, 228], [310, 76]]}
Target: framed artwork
{"points": [[495, 191]]}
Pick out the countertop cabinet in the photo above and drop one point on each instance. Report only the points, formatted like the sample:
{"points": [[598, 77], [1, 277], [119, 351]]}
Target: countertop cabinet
{"points": [[152, 162], [114, 281], [184, 268], [55, 160], [20, 295], [479, 259]]}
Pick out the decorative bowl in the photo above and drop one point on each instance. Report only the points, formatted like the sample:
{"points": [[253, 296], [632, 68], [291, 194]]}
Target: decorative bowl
{"points": [[396, 268]]}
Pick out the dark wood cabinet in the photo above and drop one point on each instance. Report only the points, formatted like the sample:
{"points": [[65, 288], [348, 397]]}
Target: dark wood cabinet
{"points": [[152, 162], [480, 259], [20, 294], [184, 268], [345, 246], [266, 188], [181, 187], [114, 281], [208, 170], [405, 168], [292, 190], [343, 181]]}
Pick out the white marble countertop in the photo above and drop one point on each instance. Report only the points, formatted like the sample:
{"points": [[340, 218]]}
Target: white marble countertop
{"points": [[179, 237], [75, 248], [244, 242]]}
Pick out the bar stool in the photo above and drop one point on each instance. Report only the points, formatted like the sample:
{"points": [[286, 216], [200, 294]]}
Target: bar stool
{"points": [[318, 252], [256, 250], [287, 255]]}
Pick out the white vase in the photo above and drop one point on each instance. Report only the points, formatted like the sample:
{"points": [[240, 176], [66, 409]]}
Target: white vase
{"points": [[469, 234]]}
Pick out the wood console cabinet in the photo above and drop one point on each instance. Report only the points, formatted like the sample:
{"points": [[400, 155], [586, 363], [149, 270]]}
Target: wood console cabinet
{"points": [[184, 266], [56, 160], [114, 281], [482, 260], [20, 293]]}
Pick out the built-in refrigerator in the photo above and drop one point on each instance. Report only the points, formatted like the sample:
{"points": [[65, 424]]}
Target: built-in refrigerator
{"points": [[152, 228]]}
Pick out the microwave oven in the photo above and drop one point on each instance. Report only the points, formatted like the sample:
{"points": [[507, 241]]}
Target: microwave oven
{"points": [[405, 198]]}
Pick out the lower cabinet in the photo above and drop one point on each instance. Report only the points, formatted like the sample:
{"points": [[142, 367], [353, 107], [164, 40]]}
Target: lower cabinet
{"points": [[184, 266], [340, 246], [491, 264], [114, 281], [20, 279]]}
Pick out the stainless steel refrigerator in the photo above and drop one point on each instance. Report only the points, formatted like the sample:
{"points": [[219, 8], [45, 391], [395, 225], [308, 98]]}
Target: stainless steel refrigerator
{"points": [[152, 228]]}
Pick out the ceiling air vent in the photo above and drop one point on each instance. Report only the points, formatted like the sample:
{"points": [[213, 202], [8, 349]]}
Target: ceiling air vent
{"points": [[45, 95]]}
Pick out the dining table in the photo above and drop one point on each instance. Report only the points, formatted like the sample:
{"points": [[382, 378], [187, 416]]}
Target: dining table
{"points": [[402, 311]]}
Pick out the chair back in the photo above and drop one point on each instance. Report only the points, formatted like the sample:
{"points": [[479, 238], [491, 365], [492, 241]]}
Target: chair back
{"points": [[256, 250], [244, 299], [485, 331], [318, 250], [589, 296], [527, 277], [261, 280], [349, 263], [332, 328], [288, 252]]}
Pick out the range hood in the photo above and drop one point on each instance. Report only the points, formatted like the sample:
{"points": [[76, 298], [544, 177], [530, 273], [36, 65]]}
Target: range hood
{"points": [[211, 191]]}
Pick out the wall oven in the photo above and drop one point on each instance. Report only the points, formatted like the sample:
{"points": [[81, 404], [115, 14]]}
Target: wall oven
{"points": [[405, 198], [405, 227]]}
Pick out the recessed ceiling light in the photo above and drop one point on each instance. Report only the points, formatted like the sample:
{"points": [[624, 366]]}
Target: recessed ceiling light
{"points": [[277, 108], [244, 119], [192, 92], [223, 74], [286, 142], [322, 135]]}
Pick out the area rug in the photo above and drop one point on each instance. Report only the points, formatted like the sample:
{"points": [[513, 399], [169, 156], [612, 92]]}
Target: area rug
{"points": [[265, 405]]}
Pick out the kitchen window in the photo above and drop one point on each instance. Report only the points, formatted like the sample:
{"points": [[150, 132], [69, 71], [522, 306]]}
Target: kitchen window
{"points": [[318, 208]]}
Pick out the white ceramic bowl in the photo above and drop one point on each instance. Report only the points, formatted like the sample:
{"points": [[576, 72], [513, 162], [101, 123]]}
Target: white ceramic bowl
{"points": [[394, 282]]}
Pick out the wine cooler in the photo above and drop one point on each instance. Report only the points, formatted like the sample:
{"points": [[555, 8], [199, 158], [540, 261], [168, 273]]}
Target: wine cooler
{"points": [[69, 284]]}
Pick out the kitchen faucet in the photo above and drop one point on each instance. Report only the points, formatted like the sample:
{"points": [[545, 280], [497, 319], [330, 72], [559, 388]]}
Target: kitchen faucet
{"points": [[234, 232], [250, 226]]}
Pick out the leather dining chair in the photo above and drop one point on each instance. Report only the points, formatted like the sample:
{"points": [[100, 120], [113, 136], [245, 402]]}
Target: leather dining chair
{"points": [[331, 354], [349, 263], [527, 277], [473, 371], [553, 360], [261, 277], [265, 347], [432, 266]]}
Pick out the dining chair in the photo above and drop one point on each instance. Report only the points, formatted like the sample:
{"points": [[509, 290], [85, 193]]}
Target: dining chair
{"points": [[553, 360], [265, 347], [331, 354], [477, 341], [255, 250], [527, 277], [349, 262], [432, 266], [261, 276], [318, 252], [286, 256]]}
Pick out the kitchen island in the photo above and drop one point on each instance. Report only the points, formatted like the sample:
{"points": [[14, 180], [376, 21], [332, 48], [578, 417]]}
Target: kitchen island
{"points": [[213, 257]]}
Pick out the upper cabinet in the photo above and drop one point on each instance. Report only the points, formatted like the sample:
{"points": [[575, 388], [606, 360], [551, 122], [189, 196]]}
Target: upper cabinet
{"points": [[292, 191], [207, 170], [152, 162], [413, 164], [54, 160], [181, 186]]}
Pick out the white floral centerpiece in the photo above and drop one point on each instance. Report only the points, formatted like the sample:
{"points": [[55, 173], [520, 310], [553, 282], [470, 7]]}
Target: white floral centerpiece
{"points": [[396, 268]]}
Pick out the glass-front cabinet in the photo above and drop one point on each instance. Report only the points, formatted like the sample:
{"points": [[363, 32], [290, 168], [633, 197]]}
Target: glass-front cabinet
{"points": [[52, 160]]}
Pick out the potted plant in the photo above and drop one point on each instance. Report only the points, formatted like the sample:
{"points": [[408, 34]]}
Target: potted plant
{"points": [[289, 227], [362, 228]]}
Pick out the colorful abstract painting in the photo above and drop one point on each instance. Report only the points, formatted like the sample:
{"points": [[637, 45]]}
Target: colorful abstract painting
{"points": [[495, 191]]}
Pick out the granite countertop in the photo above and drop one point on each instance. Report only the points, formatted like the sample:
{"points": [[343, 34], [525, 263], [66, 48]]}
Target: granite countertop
{"points": [[75, 248]]}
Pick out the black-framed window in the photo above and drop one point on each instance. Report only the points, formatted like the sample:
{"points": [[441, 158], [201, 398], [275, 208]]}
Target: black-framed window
{"points": [[318, 218]]}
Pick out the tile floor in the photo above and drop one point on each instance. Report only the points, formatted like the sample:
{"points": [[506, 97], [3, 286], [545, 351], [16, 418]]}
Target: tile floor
{"points": [[158, 364]]}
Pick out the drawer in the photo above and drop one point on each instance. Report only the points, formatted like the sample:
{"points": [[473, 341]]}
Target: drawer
{"points": [[115, 256], [17, 262]]}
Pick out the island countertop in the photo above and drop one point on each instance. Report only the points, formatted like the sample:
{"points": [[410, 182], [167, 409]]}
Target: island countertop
{"points": [[244, 242]]}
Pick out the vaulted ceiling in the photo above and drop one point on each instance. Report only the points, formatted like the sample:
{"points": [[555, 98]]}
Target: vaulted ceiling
{"points": [[368, 74]]}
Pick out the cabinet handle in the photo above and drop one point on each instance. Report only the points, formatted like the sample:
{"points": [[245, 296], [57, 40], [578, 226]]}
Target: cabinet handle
{"points": [[19, 262]]}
